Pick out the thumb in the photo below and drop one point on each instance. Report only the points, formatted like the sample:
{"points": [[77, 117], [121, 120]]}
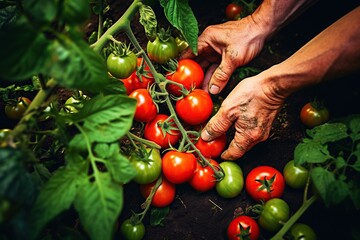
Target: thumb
{"points": [[221, 76]]}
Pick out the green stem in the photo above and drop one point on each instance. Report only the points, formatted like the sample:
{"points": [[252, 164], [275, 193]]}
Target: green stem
{"points": [[306, 204]]}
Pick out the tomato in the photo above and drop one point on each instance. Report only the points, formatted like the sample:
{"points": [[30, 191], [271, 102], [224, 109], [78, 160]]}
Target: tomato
{"points": [[162, 131], [213, 148], [232, 183], [178, 167], [188, 73], [121, 65], [146, 109], [313, 114], [302, 231], [203, 178], [164, 195], [141, 78], [264, 182], [162, 50], [15, 109], [147, 165], [243, 227], [295, 176], [274, 214], [132, 231], [233, 11], [195, 108]]}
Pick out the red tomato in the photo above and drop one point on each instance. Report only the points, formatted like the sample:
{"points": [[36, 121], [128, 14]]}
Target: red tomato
{"points": [[164, 195], [213, 148], [264, 183], [133, 82], [313, 114], [195, 108], [243, 227], [146, 109], [161, 132], [232, 11], [203, 179], [188, 73], [178, 167]]}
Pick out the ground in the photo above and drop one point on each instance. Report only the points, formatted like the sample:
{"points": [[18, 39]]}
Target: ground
{"points": [[205, 216]]}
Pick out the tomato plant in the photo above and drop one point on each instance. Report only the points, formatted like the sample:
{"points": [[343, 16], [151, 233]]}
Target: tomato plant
{"points": [[194, 108], [147, 163], [313, 114], [243, 227], [162, 131], [178, 167], [213, 148], [275, 212], [162, 49], [164, 194], [14, 109], [295, 176], [146, 109], [233, 11], [122, 63], [233, 182], [204, 178], [132, 231], [188, 73], [302, 231], [264, 182]]}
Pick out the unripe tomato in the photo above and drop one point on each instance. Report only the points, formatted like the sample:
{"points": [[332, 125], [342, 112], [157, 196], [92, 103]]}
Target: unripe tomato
{"points": [[161, 50], [274, 214], [121, 66], [302, 231], [295, 176], [233, 182], [16, 109], [132, 231], [313, 114]]}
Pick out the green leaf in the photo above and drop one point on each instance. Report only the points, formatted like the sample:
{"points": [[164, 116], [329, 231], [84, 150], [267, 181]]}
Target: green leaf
{"points": [[7, 15], [181, 16], [340, 162], [328, 132], [157, 216], [322, 178], [354, 127], [41, 11], [114, 87], [99, 204], [56, 196], [355, 193], [336, 192], [148, 20], [310, 152]]}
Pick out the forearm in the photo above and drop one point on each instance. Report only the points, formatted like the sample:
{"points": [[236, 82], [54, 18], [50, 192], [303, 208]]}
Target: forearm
{"points": [[333, 53]]}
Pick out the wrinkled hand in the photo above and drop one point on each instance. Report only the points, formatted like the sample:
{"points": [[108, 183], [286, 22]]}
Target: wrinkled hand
{"points": [[252, 107], [227, 46]]}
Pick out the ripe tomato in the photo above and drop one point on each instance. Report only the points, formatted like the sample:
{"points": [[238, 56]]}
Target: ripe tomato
{"points": [[121, 66], [203, 178], [295, 176], [188, 73], [16, 109], [313, 114], [178, 167], [264, 182], [274, 214], [302, 231], [164, 195], [162, 132], [233, 11], [147, 165], [243, 227], [233, 182], [146, 109], [195, 108], [132, 231], [213, 148], [161, 50]]}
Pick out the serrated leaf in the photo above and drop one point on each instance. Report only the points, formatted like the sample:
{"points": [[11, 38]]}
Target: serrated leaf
{"points": [[321, 178], [99, 204], [181, 16], [336, 192], [56, 196], [329, 132], [148, 20], [310, 152]]}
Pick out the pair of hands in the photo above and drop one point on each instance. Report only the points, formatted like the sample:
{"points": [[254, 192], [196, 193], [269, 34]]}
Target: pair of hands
{"points": [[252, 105]]}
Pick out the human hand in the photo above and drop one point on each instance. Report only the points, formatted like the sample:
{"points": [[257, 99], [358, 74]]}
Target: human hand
{"points": [[252, 107], [227, 46]]}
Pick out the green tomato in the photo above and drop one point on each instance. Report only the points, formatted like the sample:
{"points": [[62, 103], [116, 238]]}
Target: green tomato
{"points": [[274, 214], [161, 51], [233, 182], [148, 167], [295, 176], [302, 231], [121, 66], [132, 231]]}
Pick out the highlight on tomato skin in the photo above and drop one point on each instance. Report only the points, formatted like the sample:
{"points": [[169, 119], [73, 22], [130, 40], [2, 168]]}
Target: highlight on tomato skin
{"points": [[243, 226], [15, 109], [313, 114]]}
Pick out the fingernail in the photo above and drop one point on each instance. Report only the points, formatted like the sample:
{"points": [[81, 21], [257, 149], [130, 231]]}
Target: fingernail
{"points": [[214, 89], [205, 135]]}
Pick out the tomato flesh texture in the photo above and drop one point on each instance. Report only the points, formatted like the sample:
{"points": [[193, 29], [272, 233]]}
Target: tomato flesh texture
{"points": [[132, 231], [251, 229], [275, 212], [164, 195], [146, 109], [203, 178], [232, 183], [312, 115], [178, 167]]}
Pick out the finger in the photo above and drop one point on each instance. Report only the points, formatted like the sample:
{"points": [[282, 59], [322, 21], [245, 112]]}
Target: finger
{"points": [[209, 72], [234, 151], [221, 76], [217, 126], [187, 53]]}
